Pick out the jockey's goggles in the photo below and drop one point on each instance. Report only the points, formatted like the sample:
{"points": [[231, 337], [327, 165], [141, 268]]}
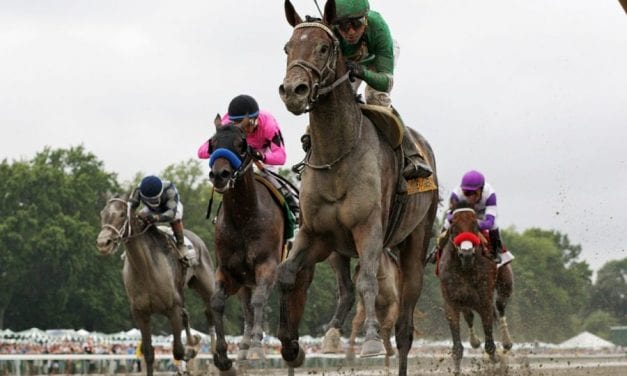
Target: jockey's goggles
{"points": [[153, 202], [348, 23], [469, 193]]}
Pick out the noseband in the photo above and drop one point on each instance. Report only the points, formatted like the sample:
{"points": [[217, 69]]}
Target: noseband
{"points": [[246, 163], [327, 73]]}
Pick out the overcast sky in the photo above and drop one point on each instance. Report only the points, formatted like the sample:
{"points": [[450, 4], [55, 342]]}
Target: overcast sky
{"points": [[533, 93]]}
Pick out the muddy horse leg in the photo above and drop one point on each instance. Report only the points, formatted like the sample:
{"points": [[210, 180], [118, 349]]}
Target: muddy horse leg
{"points": [[358, 321], [265, 275], [245, 294], [218, 301], [469, 316], [177, 324], [412, 254], [452, 315], [142, 320], [345, 300], [367, 238], [504, 288], [487, 321]]}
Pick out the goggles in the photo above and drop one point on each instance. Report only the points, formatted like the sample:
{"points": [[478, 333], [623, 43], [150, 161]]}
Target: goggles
{"points": [[354, 23], [469, 193]]}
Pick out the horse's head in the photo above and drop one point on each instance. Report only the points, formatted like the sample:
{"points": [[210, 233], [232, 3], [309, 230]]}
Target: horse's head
{"points": [[229, 155], [464, 233], [314, 61], [114, 222]]}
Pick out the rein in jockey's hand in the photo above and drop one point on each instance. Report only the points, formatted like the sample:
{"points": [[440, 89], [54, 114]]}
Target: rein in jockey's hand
{"points": [[258, 155]]}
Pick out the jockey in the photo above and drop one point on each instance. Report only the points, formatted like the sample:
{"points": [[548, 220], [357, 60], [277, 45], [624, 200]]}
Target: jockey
{"points": [[162, 204], [367, 44], [481, 196], [264, 137]]}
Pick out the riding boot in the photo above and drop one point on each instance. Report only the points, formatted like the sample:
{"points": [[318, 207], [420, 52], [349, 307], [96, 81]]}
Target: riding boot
{"points": [[497, 246], [415, 166], [292, 202], [183, 255]]}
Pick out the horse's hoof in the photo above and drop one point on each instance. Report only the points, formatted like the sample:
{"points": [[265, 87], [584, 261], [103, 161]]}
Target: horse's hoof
{"points": [[372, 347], [331, 343], [222, 363], [256, 353], [298, 361], [475, 342], [229, 372]]}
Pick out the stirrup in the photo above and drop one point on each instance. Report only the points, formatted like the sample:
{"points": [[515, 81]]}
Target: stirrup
{"points": [[416, 170]]}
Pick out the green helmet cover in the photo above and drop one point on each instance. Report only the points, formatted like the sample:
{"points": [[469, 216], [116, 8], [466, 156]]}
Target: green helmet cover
{"points": [[351, 8]]}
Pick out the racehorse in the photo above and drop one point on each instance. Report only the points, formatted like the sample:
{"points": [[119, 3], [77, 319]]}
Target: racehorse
{"points": [[386, 304], [468, 280], [153, 276], [249, 239], [349, 187]]}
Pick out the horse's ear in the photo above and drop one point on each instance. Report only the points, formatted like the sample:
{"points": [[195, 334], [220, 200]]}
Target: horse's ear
{"points": [[290, 13], [217, 121], [329, 12]]}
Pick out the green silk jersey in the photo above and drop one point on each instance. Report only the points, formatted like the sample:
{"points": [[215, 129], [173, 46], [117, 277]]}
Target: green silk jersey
{"points": [[375, 51]]}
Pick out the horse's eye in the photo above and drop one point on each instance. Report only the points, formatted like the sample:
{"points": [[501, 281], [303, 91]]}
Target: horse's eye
{"points": [[324, 49]]}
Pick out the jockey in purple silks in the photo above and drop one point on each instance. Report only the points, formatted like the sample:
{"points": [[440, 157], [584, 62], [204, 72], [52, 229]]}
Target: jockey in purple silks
{"points": [[264, 137], [480, 195]]}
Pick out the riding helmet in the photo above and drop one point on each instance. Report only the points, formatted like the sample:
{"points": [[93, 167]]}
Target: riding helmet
{"points": [[351, 9], [472, 180], [150, 187], [243, 105]]}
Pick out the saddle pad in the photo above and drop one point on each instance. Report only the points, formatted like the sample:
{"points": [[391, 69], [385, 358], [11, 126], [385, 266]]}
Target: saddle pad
{"points": [[167, 230], [388, 124], [419, 185], [278, 197]]}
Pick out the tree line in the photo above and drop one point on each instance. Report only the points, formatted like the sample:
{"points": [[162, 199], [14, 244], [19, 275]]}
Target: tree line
{"points": [[51, 275]]}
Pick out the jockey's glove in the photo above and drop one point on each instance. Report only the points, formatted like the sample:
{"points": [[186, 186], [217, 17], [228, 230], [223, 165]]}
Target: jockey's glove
{"points": [[149, 217], [258, 155], [355, 70]]}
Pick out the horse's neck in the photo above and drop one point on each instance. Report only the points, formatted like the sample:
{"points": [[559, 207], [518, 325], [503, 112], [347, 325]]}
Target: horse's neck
{"points": [[138, 249], [335, 122], [242, 198]]}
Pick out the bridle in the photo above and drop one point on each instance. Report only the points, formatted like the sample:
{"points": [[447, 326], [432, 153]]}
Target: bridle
{"points": [[246, 164], [124, 233], [323, 85], [467, 240]]}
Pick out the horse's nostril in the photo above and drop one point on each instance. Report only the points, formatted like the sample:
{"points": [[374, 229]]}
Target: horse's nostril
{"points": [[281, 90], [211, 175], [225, 174], [302, 89]]}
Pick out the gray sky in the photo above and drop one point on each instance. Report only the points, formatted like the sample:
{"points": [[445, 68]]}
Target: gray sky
{"points": [[533, 93]]}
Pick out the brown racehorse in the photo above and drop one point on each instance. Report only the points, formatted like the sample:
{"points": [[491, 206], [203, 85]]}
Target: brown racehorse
{"points": [[153, 276], [348, 190], [468, 280], [249, 239]]}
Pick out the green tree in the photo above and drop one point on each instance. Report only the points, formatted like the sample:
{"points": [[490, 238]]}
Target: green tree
{"points": [[609, 293], [49, 225]]}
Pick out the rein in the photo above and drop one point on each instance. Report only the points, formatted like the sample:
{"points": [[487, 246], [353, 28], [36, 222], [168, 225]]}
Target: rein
{"points": [[124, 233]]}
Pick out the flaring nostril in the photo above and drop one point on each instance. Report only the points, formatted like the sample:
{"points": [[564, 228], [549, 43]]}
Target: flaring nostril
{"points": [[281, 90], [302, 89]]}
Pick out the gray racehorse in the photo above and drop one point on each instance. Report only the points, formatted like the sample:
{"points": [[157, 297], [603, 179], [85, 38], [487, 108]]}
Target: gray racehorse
{"points": [[153, 276], [348, 192]]}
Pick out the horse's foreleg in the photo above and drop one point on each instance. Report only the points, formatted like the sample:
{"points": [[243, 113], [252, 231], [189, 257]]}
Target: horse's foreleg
{"points": [[358, 321], [345, 290], [245, 296], [475, 342], [265, 276], [487, 320], [292, 306], [218, 301], [143, 323], [452, 315], [368, 244]]}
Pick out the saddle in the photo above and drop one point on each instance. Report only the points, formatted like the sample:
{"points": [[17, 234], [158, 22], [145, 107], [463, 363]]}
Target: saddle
{"points": [[171, 239]]}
